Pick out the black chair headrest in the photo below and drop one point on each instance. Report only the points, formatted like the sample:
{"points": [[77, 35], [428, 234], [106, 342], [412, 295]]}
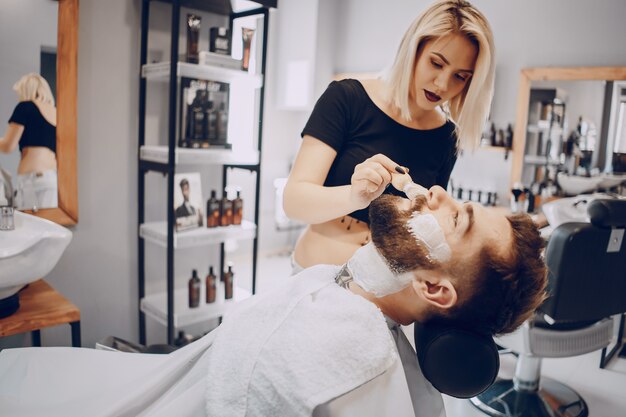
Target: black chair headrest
{"points": [[457, 362], [607, 213]]}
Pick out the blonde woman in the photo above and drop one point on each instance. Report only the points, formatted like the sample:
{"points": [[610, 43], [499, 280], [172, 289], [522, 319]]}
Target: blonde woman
{"points": [[433, 100], [32, 127]]}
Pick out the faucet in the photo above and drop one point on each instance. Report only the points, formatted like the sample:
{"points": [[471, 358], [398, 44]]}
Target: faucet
{"points": [[7, 221]]}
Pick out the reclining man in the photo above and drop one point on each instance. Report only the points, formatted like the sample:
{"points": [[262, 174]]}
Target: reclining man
{"points": [[313, 347]]}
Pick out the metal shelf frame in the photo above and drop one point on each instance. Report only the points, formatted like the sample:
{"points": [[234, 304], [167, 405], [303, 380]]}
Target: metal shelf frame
{"points": [[169, 168]]}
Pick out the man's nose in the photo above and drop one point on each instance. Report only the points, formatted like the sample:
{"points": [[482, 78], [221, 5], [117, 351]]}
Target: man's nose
{"points": [[438, 197]]}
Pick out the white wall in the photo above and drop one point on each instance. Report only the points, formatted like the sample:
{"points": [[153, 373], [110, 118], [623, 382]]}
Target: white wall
{"points": [[99, 270]]}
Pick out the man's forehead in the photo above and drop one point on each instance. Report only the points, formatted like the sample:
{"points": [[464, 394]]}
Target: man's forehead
{"points": [[497, 229]]}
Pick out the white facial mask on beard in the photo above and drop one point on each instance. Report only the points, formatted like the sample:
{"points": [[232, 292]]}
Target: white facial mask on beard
{"points": [[371, 272], [426, 230]]}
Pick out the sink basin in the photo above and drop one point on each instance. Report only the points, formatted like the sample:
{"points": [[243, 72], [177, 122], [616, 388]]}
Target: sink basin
{"points": [[612, 180], [574, 184], [570, 209], [29, 252]]}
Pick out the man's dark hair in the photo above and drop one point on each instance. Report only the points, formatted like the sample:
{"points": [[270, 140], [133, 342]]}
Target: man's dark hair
{"points": [[504, 291], [183, 182]]}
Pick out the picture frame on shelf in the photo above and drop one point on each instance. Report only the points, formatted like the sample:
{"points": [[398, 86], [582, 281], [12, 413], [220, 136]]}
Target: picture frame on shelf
{"points": [[204, 114], [188, 201]]}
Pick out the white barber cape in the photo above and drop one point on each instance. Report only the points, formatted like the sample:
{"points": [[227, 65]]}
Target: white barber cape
{"points": [[308, 348]]}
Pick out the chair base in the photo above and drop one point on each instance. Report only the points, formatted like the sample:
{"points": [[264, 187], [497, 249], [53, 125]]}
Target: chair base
{"points": [[553, 399]]}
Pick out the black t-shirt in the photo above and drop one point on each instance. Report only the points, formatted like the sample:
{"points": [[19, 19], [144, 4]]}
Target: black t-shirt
{"points": [[37, 130], [347, 119]]}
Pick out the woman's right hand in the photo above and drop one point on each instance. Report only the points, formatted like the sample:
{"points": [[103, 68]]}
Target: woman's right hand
{"points": [[370, 178]]}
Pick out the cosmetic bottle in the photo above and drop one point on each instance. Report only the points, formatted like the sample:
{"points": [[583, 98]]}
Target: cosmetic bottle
{"points": [[195, 117], [226, 210], [509, 136], [211, 286], [204, 135], [213, 211], [237, 209], [493, 135], [183, 339], [193, 32], [246, 36], [211, 121], [222, 124], [229, 277], [194, 289]]}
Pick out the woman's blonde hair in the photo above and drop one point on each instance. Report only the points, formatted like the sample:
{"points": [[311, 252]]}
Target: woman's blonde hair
{"points": [[33, 87], [469, 109]]}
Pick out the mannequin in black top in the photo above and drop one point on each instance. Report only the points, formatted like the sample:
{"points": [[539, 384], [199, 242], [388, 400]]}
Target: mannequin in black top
{"points": [[32, 127], [433, 101]]}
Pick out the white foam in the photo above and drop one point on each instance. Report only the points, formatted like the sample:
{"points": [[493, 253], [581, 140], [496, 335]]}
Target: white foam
{"points": [[426, 230], [412, 190], [371, 272]]}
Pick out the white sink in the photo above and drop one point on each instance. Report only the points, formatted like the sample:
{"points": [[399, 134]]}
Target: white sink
{"points": [[574, 184], [29, 252], [570, 209]]}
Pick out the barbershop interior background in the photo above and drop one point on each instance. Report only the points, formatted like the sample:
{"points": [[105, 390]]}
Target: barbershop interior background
{"points": [[309, 43]]}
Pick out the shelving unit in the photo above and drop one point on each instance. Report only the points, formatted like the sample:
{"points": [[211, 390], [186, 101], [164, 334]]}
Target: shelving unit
{"points": [[169, 307], [155, 305], [213, 71], [186, 156], [156, 232], [544, 135]]}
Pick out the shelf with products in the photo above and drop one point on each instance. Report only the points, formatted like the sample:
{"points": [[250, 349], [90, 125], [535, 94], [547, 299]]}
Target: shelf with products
{"points": [[537, 128], [214, 117], [224, 7], [540, 160], [545, 128], [161, 72], [156, 232], [189, 156], [494, 148], [155, 306]]}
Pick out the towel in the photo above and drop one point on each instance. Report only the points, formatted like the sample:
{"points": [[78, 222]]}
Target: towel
{"points": [[285, 352]]}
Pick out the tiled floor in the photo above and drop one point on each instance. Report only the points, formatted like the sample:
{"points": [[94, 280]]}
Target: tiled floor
{"points": [[604, 390]]}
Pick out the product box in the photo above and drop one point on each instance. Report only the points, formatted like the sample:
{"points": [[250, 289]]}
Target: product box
{"points": [[219, 40], [204, 114]]}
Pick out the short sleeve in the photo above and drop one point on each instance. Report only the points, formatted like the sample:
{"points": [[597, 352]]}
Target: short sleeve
{"points": [[329, 119], [20, 114]]}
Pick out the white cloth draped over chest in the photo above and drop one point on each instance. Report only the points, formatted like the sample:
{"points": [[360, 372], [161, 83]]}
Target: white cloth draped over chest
{"points": [[310, 348], [301, 346]]}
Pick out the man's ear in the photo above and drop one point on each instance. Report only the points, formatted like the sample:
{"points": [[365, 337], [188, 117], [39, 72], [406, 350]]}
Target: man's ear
{"points": [[439, 291]]}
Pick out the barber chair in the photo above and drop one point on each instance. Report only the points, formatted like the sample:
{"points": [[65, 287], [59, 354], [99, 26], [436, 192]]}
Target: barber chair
{"points": [[587, 289]]}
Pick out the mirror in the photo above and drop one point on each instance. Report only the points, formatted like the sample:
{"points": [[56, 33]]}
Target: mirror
{"points": [[49, 27], [569, 121]]}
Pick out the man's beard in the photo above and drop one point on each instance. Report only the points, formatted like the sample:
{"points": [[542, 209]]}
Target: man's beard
{"points": [[392, 238]]}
